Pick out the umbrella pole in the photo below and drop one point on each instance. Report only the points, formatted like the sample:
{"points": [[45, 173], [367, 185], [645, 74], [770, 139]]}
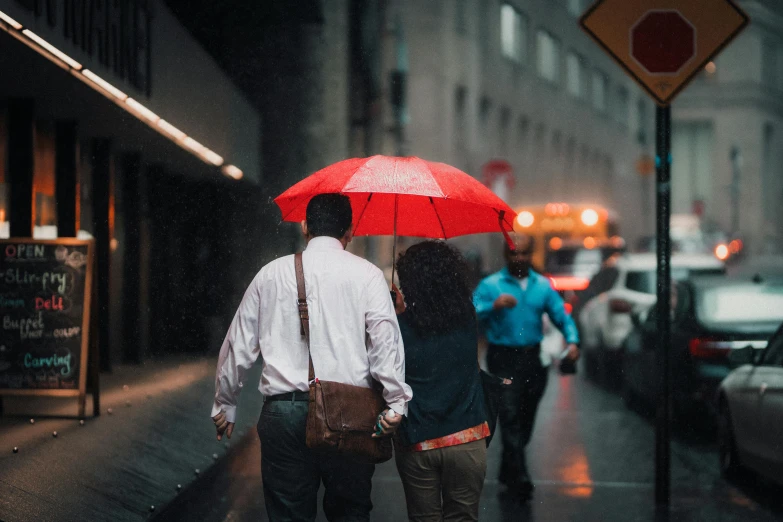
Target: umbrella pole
{"points": [[394, 245]]}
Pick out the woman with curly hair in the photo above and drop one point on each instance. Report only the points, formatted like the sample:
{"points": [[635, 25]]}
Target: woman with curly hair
{"points": [[441, 452]]}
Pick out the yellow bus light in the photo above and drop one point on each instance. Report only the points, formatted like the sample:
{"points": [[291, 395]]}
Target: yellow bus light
{"points": [[525, 219], [589, 217]]}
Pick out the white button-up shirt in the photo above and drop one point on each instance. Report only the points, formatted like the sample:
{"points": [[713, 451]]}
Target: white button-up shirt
{"points": [[354, 335]]}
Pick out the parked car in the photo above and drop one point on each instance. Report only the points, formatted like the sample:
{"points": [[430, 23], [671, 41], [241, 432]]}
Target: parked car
{"points": [[712, 317], [628, 286], [750, 424]]}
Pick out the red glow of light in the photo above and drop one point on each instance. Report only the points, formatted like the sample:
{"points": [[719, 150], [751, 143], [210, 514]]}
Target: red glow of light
{"points": [[706, 348], [569, 282]]}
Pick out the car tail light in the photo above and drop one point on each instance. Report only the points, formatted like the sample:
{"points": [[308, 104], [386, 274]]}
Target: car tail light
{"points": [[708, 348], [563, 283], [569, 308], [620, 306]]}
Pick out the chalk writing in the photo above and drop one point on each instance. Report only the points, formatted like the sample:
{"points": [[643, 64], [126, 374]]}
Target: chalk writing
{"points": [[11, 302], [47, 280], [65, 333], [24, 251], [53, 303], [42, 308], [63, 362]]}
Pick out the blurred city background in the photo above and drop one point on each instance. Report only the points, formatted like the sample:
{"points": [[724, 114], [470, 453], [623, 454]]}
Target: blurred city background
{"points": [[164, 128]]}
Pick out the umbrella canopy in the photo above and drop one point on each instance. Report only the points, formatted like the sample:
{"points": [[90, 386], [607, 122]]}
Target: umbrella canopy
{"points": [[404, 196]]}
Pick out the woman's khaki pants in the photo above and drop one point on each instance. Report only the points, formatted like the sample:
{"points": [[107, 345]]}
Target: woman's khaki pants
{"points": [[444, 484]]}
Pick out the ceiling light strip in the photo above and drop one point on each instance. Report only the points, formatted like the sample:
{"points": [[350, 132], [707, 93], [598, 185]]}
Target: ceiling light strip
{"points": [[37, 48], [171, 130], [52, 49], [142, 111], [106, 86], [129, 104], [10, 21]]}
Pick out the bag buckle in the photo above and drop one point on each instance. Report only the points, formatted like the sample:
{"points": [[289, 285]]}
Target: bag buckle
{"points": [[302, 304]]}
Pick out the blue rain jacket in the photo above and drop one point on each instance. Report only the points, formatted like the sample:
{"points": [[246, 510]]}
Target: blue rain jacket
{"points": [[521, 325]]}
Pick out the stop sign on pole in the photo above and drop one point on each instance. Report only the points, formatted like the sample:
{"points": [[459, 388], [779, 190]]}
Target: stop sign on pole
{"points": [[663, 44]]}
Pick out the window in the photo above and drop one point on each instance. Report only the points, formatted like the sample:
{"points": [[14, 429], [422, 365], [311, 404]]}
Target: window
{"points": [[460, 119], [773, 355], [641, 282], [741, 304], [771, 182], [621, 108], [575, 7], [484, 107], [523, 130], [693, 153], [570, 153], [513, 34], [460, 17], [548, 53], [483, 26], [575, 75], [641, 122], [557, 144], [769, 63], [600, 84], [505, 119]]}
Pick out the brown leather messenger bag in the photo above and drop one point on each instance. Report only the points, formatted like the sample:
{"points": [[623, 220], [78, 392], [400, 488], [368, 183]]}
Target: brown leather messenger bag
{"points": [[341, 417]]}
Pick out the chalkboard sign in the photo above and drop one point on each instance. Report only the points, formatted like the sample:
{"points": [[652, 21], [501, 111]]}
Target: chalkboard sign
{"points": [[45, 290]]}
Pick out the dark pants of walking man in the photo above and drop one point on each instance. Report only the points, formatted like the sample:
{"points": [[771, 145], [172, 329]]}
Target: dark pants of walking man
{"points": [[518, 407], [292, 473]]}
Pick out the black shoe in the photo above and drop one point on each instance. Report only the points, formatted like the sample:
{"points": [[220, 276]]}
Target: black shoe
{"points": [[507, 476], [524, 490]]}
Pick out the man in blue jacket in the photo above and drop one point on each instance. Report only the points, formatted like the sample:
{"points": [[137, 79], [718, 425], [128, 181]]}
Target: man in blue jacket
{"points": [[510, 303]]}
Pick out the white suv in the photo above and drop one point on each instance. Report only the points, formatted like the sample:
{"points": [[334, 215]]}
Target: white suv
{"points": [[627, 286]]}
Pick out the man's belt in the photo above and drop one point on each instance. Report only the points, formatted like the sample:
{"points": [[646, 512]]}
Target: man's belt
{"points": [[290, 396]]}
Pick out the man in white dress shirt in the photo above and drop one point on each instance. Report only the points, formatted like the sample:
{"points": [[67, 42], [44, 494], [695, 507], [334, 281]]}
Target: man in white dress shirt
{"points": [[354, 338]]}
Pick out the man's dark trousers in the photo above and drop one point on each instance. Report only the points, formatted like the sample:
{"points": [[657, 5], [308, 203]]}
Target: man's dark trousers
{"points": [[518, 405], [292, 473]]}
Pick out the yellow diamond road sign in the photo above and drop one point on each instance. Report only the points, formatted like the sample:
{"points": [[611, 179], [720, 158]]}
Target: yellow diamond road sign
{"points": [[663, 44]]}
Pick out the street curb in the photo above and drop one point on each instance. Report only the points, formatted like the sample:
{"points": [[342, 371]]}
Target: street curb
{"points": [[190, 490]]}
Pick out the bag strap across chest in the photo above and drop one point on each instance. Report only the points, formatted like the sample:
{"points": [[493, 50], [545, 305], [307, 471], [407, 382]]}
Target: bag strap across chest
{"points": [[304, 315]]}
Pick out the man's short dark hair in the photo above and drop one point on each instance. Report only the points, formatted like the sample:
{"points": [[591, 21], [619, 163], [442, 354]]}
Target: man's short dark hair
{"points": [[329, 215]]}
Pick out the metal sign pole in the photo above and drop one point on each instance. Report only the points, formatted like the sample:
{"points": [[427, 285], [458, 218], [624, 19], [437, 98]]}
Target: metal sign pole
{"points": [[663, 214]]}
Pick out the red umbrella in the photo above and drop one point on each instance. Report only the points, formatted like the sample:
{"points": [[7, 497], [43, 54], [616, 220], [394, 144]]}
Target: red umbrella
{"points": [[404, 196]]}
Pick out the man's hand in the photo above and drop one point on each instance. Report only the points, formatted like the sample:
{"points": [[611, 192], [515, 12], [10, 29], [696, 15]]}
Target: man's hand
{"points": [[389, 421], [222, 425], [504, 301], [399, 302], [573, 352]]}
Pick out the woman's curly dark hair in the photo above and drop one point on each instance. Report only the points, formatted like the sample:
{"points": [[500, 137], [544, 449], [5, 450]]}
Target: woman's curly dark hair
{"points": [[435, 279]]}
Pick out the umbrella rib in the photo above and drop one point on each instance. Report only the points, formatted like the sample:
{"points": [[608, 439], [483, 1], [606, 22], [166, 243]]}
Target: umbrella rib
{"points": [[442, 228], [367, 204]]}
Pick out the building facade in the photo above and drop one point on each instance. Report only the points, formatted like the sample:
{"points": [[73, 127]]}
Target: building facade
{"points": [[518, 80], [727, 136], [116, 125]]}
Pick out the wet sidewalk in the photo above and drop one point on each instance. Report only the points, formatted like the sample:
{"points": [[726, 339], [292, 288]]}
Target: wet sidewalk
{"points": [[591, 459], [120, 465]]}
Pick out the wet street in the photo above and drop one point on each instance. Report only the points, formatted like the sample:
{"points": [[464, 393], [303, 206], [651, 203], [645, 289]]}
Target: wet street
{"points": [[591, 459]]}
